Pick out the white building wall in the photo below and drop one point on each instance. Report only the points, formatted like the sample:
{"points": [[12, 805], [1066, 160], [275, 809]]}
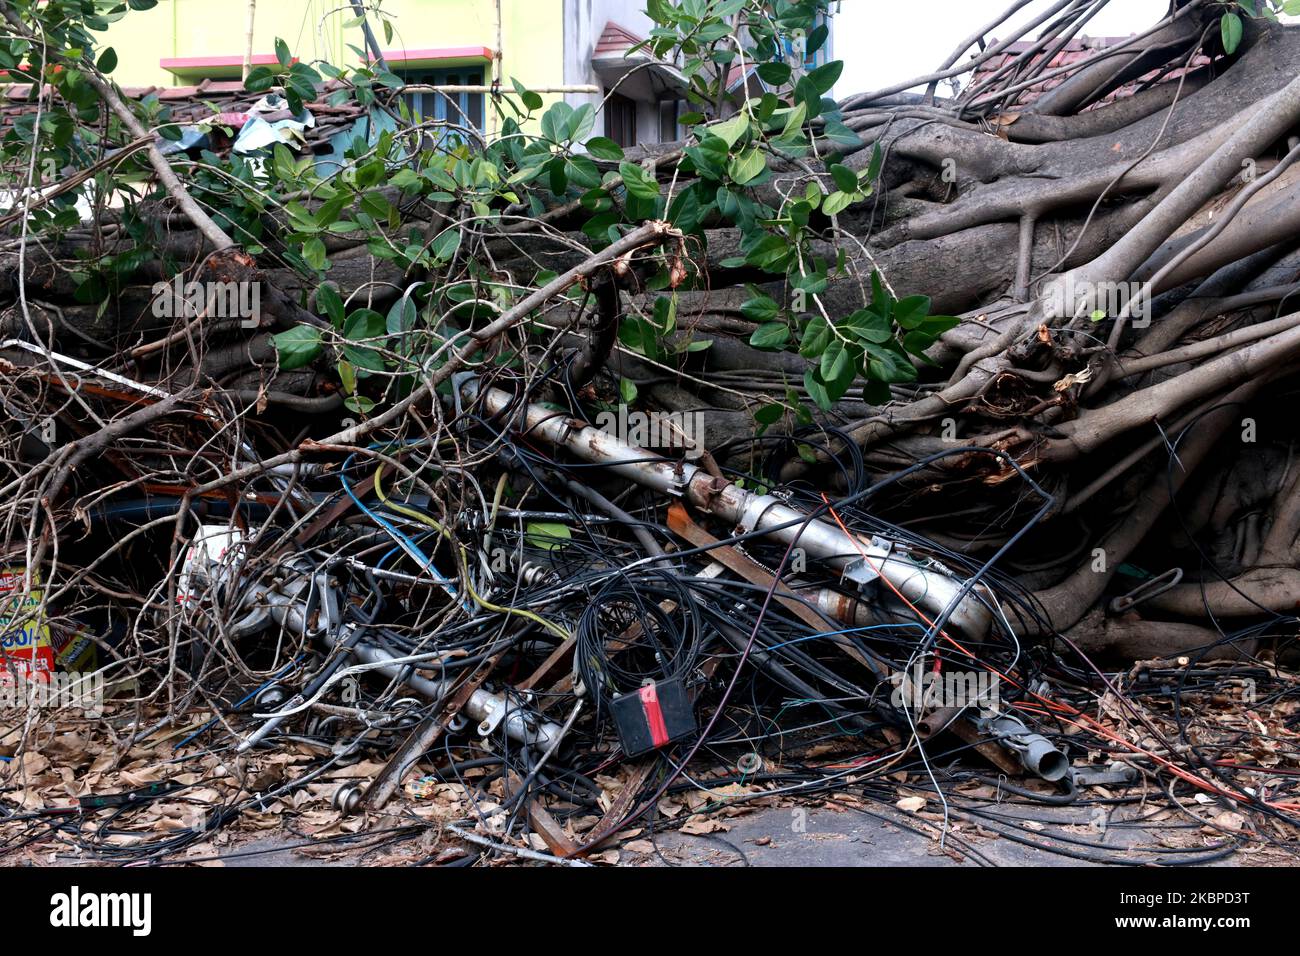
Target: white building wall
{"points": [[584, 20], [883, 43]]}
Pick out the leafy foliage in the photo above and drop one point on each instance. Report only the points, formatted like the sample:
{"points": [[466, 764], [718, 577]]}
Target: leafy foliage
{"points": [[283, 207]]}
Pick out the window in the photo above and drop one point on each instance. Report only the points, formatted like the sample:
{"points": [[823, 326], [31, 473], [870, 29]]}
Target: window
{"points": [[620, 120], [820, 35], [459, 109], [668, 113]]}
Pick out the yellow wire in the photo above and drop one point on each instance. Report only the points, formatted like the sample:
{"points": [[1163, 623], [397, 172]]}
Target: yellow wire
{"points": [[424, 519]]}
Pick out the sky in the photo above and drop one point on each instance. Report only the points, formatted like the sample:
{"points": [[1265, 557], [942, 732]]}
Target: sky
{"points": [[886, 41]]}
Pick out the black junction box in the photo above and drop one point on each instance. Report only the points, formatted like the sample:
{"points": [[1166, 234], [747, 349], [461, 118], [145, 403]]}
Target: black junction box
{"points": [[653, 716]]}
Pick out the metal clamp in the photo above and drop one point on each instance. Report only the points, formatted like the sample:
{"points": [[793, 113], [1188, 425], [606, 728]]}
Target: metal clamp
{"points": [[863, 572], [1147, 590]]}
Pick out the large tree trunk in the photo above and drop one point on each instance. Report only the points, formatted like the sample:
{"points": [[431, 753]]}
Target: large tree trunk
{"points": [[996, 209]]}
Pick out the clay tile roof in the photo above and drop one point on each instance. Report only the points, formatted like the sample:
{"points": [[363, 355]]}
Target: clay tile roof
{"points": [[616, 41], [190, 104], [1075, 51]]}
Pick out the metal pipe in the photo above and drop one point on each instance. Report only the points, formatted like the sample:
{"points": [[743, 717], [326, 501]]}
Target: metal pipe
{"points": [[926, 585], [1036, 753], [489, 709], [302, 604]]}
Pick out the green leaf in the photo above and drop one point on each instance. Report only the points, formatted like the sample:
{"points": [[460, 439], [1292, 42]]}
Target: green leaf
{"points": [[877, 161], [794, 120], [555, 121], [297, 346], [348, 376], [835, 360], [813, 284], [302, 220], [825, 77], [260, 79], [1231, 27], [328, 301], [313, 251], [771, 252], [911, 311], [364, 324], [710, 157], [582, 172], [580, 123], [359, 404], [661, 11], [638, 182], [817, 391], [596, 200], [547, 535], [445, 246], [770, 335], [887, 363], [935, 325], [687, 211], [775, 74], [601, 147], [881, 300], [868, 325], [665, 314], [639, 335], [627, 391], [532, 101], [747, 166], [731, 130], [845, 178], [760, 309], [107, 60], [841, 135], [282, 53], [836, 203], [407, 180], [770, 414], [817, 335], [401, 317]]}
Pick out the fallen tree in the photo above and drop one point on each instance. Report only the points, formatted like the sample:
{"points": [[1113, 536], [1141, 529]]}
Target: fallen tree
{"points": [[389, 449], [1093, 276]]}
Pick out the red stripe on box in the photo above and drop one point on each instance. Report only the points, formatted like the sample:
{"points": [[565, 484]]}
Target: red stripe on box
{"points": [[654, 715]]}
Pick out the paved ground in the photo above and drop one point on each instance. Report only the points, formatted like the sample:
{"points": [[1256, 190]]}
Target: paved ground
{"points": [[817, 837], [830, 838]]}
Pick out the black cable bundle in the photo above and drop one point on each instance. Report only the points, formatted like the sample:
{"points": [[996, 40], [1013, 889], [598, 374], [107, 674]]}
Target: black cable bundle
{"points": [[653, 614]]}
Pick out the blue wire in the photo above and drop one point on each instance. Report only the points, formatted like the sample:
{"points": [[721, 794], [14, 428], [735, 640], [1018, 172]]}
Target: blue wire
{"points": [[407, 544], [398, 548]]}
